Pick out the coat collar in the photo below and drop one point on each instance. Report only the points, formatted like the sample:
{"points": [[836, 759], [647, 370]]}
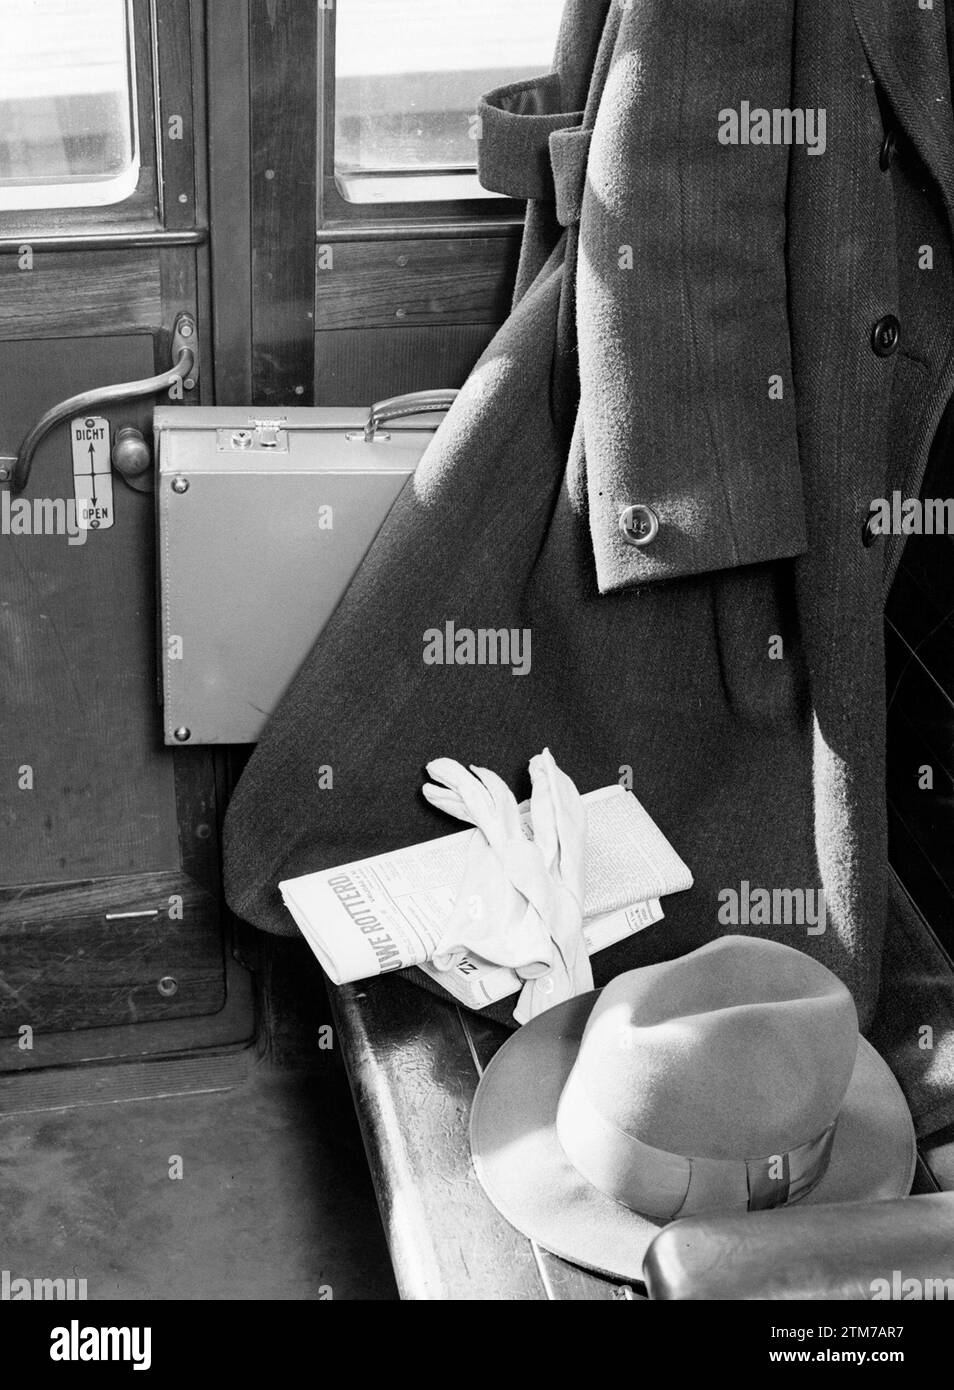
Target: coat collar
{"points": [[907, 49]]}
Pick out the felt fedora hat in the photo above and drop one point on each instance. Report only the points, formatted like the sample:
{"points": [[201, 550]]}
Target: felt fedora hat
{"points": [[732, 1079]]}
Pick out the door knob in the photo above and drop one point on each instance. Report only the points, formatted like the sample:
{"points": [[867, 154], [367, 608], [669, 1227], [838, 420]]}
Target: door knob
{"points": [[132, 457], [185, 369]]}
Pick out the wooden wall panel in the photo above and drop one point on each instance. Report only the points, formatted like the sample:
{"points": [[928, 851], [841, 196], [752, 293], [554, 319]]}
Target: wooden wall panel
{"points": [[72, 292], [179, 80], [284, 175], [356, 366], [230, 220], [377, 284], [68, 961]]}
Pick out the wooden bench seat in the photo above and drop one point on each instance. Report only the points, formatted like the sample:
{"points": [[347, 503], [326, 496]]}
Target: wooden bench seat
{"points": [[414, 1062]]}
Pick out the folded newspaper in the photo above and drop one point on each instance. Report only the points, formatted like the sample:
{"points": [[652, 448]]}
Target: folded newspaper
{"points": [[389, 912]]}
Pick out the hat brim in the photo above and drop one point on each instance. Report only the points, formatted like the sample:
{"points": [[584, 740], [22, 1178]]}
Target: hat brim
{"points": [[525, 1173]]}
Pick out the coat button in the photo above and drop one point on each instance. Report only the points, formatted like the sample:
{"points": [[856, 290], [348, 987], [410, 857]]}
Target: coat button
{"points": [[885, 335], [888, 146], [639, 524], [869, 533]]}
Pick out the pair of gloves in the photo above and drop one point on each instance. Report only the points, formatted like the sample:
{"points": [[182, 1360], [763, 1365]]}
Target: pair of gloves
{"points": [[520, 902]]}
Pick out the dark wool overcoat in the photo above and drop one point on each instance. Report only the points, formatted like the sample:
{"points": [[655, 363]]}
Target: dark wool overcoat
{"points": [[735, 338]]}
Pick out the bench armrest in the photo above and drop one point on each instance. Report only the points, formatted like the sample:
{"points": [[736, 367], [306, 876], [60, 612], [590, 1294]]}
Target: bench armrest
{"points": [[852, 1250]]}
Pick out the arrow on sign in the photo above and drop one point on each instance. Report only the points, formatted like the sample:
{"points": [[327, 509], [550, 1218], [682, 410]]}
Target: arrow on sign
{"points": [[92, 469]]}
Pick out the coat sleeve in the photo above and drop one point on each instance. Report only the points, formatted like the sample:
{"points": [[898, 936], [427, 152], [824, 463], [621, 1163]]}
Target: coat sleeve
{"points": [[685, 363]]}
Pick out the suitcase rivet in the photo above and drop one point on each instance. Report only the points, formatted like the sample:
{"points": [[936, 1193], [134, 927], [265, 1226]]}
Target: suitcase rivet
{"points": [[167, 986], [180, 484], [182, 735]]}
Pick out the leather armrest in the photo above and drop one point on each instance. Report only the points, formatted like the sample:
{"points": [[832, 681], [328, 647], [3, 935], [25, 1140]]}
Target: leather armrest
{"points": [[900, 1249]]}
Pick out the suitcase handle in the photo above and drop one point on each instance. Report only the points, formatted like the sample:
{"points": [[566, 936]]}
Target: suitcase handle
{"points": [[400, 407]]}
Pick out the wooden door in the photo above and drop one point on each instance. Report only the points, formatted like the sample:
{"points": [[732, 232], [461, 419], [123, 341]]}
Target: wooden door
{"points": [[113, 938]]}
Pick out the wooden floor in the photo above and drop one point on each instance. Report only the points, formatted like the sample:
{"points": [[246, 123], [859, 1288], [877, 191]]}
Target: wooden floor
{"points": [[274, 1201]]}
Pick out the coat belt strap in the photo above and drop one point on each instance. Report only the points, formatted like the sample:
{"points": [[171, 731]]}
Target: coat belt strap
{"points": [[569, 153]]}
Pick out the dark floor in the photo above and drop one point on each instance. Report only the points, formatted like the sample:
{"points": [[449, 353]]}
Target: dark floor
{"points": [[274, 1201]]}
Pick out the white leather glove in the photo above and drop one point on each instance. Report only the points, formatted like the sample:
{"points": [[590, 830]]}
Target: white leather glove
{"points": [[502, 908], [520, 903], [559, 832]]}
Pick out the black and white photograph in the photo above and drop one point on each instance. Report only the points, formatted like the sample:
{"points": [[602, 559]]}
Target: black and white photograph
{"points": [[476, 668]]}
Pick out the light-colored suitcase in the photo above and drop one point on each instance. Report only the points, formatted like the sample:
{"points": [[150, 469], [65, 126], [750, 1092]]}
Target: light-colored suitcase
{"points": [[263, 519]]}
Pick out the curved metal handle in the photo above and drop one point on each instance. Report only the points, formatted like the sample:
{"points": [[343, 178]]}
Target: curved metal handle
{"points": [[400, 407], [184, 368]]}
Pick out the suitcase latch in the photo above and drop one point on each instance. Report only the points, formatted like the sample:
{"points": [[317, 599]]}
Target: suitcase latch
{"points": [[259, 434]]}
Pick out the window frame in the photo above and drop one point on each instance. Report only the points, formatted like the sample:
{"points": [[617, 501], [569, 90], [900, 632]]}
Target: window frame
{"points": [[142, 210], [40, 190], [336, 210]]}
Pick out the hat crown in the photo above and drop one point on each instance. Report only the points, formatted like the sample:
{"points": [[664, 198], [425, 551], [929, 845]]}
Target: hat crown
{"points": [[739, 1050]]}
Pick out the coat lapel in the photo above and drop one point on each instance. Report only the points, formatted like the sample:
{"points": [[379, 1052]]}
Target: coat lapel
{"points": [[908, 51]]}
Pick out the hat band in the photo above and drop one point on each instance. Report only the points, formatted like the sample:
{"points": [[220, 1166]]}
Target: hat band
{"points": [[665, 1185]]}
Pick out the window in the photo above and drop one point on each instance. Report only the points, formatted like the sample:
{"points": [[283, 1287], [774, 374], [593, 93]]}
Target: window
{"points": [[67, 104], [407, 80]]}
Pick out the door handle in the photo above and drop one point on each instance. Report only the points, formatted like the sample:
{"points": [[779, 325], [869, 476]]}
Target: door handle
{"points": [[185, 368], [401, 407]]}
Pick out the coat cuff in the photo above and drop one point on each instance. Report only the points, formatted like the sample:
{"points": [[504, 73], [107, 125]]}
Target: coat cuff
{"points": [[516, 123], [687, 384], [653, 530]]}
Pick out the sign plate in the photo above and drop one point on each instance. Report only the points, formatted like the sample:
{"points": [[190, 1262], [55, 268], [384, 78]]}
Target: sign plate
{"points": [[92, 473]]}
